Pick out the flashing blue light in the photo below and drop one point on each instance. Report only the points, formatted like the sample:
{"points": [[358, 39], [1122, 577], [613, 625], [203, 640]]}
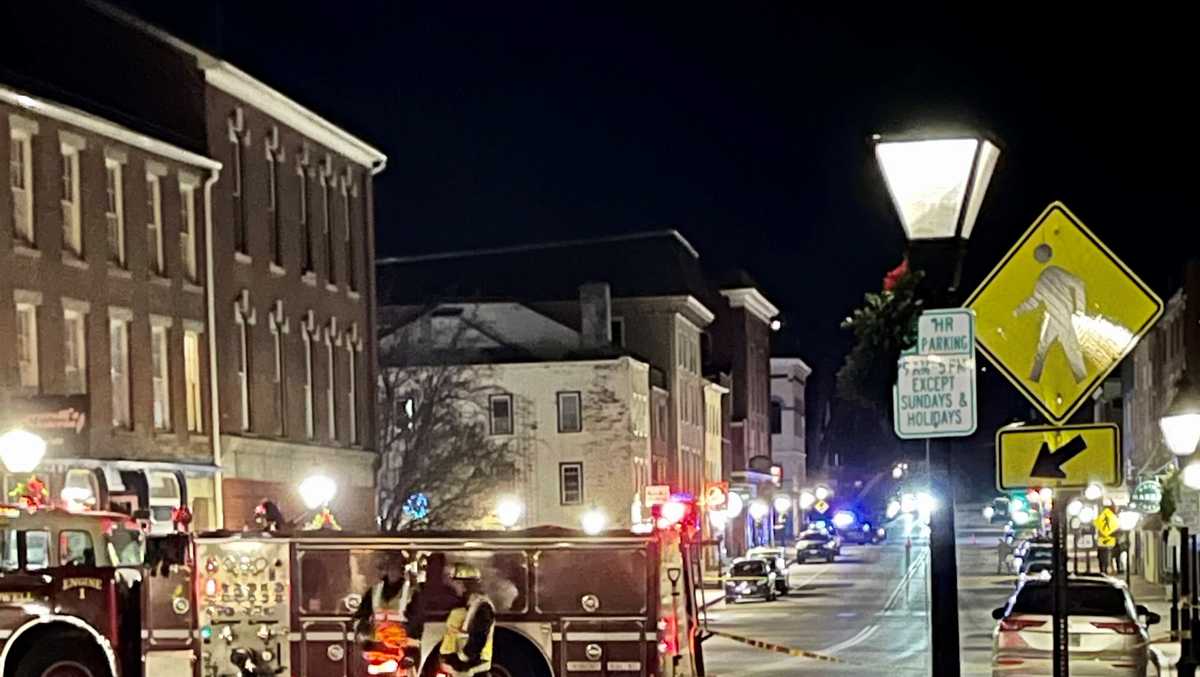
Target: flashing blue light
{"points": [[416, 507]]}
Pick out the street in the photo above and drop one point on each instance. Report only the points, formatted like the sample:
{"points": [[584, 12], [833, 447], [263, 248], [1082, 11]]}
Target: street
{"points": [[867, 612]]}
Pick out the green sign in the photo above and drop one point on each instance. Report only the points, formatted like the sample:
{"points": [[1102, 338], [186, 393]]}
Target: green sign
{"points": [[1147, 497]]}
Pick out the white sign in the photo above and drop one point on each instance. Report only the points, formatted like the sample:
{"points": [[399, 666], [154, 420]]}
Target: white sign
{"points": [[935, 387], [657, 494]]}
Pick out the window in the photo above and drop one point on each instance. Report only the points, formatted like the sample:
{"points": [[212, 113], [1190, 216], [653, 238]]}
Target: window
{"points": [[500, 414], [191, 376], [327, 208], [118, 341], [75, 549], [305, 223], [37, 550], [244, 319], [154, 234], [160, 357], [352, 391], [20, 178], [80, 488], [570, 414], [237, 141], [187, 228], [310, 416], [75, 350], [114, 211], [570, 483], [72, 235], [776, 417], [618, 331], [330, 383], [351, 268], [27, 344], [278, 329], [274, 157]]}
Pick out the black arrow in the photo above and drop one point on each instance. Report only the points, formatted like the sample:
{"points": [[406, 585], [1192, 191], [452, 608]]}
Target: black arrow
{"points": [[1049, 464]]}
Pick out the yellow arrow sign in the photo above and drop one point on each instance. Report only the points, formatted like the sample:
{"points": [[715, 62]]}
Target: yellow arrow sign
{"points": [[1106, 522], [1067, 457], [1059, 312], [1106, 542]]}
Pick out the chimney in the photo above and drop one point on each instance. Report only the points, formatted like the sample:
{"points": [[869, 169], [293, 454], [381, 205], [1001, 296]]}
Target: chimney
{"points": [[595, 313]]}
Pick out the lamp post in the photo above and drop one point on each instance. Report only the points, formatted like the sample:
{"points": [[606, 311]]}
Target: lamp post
{"points": [[937, 185], [21, 451]]}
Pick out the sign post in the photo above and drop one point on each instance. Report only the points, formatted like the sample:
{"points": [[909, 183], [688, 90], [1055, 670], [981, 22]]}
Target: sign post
{"points": [[1056, 316]]}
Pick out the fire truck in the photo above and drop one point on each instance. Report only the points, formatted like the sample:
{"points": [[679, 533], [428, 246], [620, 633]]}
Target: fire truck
{"points": [[91, 594]]}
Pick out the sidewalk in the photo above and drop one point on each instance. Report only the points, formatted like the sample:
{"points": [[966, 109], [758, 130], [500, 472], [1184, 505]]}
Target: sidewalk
{"points": [[1164, 651]]}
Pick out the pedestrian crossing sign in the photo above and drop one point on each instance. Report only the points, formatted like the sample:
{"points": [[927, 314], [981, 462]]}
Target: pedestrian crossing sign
{"points": [[1106, 522], [1059, 312]]}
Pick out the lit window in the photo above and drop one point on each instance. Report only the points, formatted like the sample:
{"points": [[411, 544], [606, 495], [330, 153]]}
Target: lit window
{"points": [[20, 178], [154, 228], [500, 409], [570, 416], [118, 338], [570, 483], [27, 344], [160, 357], [191, 375], [72, 235], [75, 350]]}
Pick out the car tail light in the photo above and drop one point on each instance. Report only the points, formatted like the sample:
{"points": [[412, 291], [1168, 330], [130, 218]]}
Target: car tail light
{"points": [[1121, 628], [1009, 661], [1018, 624]]}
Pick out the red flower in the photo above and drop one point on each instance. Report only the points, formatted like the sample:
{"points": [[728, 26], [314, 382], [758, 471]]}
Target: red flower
{"points": [[895, 275]]}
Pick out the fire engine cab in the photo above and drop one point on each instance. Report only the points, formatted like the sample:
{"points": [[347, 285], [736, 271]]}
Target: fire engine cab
{"points": [[91, 594]]}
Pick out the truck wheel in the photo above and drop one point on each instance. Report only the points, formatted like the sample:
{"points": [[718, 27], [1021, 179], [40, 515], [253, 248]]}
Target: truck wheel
{"points": [[514, 663], [47, 659]]}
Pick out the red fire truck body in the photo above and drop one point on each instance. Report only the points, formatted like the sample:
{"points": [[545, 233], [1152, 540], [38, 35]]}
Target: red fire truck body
{"points": [[77, 598]]}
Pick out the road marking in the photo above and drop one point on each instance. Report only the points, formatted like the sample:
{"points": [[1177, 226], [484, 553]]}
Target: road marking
{"points": [[862, 636], [810, 579]]}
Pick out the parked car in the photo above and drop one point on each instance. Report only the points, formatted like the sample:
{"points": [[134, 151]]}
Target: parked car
{"points": [[863, 534], [1106, 630], [778, 558], [750, 577], [815, 545]]}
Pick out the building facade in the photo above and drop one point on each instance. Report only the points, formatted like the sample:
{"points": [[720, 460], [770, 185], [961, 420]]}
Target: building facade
{"points": [[787, 419]]}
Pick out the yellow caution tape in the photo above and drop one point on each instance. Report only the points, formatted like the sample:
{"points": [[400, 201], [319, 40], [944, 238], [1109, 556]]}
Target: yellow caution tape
{"points": [[777, 648]]}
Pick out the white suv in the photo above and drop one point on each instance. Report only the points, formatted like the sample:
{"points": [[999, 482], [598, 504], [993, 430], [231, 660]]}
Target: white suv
{"points": [[1107, 633]]}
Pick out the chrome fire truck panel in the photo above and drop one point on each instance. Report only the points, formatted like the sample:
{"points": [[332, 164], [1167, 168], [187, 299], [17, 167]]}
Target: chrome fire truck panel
{"points": [[243, 590]]}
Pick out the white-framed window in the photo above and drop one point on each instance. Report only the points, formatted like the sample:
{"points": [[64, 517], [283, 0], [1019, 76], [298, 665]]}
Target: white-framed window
{"points": [[310, 415], [69, 198], [500, 414], [75, 350], [331, 383], [193, 400], [279, 327], [244, 317], [154, 225], [274, 154], [352, 390], [187, 228], [327, 210], [27, 344], [570, 412], [20, 179], [570, 483], [118, 343], [160, 343], [114, 211], [238, 138], [351, 267], [306, 262]]}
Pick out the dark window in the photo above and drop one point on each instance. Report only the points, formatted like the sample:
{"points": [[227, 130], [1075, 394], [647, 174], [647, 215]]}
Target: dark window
{"points": [[276, 211], [570, 483], [305, 221], [618, 331], [239, 194], [570, 412], [752, 568], [501, 414], [75, 549], [351, 269], [1082, 600], [776, 417], [327, 208]]}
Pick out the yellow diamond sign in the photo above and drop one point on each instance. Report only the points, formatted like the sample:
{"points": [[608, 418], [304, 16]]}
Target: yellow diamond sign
{"points": [[1059, 312]]}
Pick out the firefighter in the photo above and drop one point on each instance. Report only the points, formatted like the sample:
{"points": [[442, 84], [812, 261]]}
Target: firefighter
{"points": [[391, 615], [466, 648]]}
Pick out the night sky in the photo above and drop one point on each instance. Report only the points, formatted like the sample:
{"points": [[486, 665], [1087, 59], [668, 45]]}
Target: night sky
{"points": [[746, 130]]}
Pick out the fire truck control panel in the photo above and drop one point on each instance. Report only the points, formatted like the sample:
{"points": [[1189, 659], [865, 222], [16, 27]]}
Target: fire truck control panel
{"points": [[244, 604]]}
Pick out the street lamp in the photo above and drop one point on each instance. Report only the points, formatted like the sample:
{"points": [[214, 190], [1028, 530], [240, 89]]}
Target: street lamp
{"points": [[937, 184], [782, 503], [1093, 492], [758, 509], [733, 504], [21, 451], [593, 521], [1181, 423], [897, 472], [508, 511], [1127, 520], [821, 493], [807, 499], [317, 491]]}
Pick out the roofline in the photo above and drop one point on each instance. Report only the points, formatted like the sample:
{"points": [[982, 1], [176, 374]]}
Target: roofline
{"points": [[103, 127], [536, 246], [533, 363], [752, 300], [791, 363], [236, 82]]}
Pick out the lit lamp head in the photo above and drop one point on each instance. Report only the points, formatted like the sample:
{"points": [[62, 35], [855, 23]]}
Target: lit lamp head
{"points": [[807, 499], [782, 503], [822, 493], [1093, 492], [759, 509], [1181, 423], [317, 491], [937, 185], [21, 451], [733, 504], [1191, 475], [593, 522], [508, 511]]}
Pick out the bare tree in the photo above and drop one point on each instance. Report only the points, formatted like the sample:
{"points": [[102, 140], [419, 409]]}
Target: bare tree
{"points": [[435, 441]]}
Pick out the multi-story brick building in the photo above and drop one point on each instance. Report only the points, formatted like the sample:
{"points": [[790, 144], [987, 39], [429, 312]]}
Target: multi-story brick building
{"points": [[280, 272]]}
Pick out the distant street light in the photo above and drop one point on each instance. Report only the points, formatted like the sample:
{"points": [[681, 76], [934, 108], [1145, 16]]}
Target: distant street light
{"points": [[1191, 475], [1128, 520], [807, 499], [1181, 423], [508, 511], [317, 491], [822, 493], [759, 509], [897, 472], [21, 451], [733, 504], [1074, 507], [782, 503], [988, 513], [1087, 513], [593, 522], [1045, 496], [1093, 492]]}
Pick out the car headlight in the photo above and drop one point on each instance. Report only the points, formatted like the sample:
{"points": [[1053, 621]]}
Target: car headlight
{"points": [[743, 587]]}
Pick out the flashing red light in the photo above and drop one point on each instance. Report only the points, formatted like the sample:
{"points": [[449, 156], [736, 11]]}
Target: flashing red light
{"points": [[668, 640]]}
